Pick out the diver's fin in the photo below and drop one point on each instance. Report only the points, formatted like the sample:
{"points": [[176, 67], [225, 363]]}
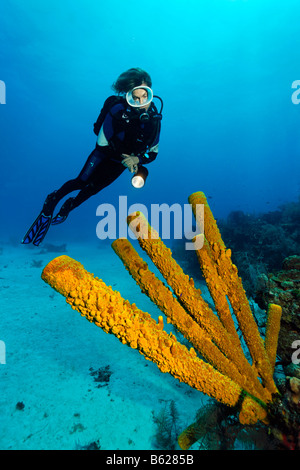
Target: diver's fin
{"points": [[45, 225], [38, 229], [58, 219], [61, 216]]}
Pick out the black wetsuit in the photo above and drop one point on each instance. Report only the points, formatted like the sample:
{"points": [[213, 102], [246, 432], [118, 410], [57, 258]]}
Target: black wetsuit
{"points": [[125, 133]]}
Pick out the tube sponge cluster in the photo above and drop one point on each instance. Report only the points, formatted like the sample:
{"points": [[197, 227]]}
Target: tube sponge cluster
{"points": [[106, 308], [216, 363]]}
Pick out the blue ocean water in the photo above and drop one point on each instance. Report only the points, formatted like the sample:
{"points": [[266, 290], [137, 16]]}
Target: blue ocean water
{"points": [[227, 71], [224, 68]]}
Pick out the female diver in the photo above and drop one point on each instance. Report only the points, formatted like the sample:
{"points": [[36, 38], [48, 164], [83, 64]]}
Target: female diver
{"points": [[127, 130]]}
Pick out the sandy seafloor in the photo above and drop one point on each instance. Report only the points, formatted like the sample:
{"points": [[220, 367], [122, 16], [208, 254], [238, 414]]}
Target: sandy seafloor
{"points": [[50, 350]]}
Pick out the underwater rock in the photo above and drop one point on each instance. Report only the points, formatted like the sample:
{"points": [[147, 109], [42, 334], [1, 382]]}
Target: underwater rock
{"points": [[101, 375], [50, 248], [295, 389], [20, 406], [95, 445]]}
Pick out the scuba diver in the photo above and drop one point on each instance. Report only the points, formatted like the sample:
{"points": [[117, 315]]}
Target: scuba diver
{"points": [[127, 129]]}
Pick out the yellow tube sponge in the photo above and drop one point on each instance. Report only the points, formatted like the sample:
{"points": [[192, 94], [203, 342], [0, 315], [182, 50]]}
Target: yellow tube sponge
{"points": [[228, 272], [107, 309], [177, 315], [217, 287], [223, 371], [272, 332], [192, 301], [182, 285]]}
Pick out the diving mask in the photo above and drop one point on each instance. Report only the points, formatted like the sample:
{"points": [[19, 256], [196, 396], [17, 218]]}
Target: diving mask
{"points": [[139, 102]]}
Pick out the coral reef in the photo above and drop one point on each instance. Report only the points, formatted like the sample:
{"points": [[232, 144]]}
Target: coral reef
{"points": [[166, 423], [216, 428], [216, 363], [283, 288], [261, 242]]}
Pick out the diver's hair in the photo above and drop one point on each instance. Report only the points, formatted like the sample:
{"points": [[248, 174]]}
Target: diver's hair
{"points": [[130, 79]]}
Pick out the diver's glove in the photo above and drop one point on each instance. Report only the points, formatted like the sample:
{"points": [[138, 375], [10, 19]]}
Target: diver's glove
{"points": [[131, 162]]}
